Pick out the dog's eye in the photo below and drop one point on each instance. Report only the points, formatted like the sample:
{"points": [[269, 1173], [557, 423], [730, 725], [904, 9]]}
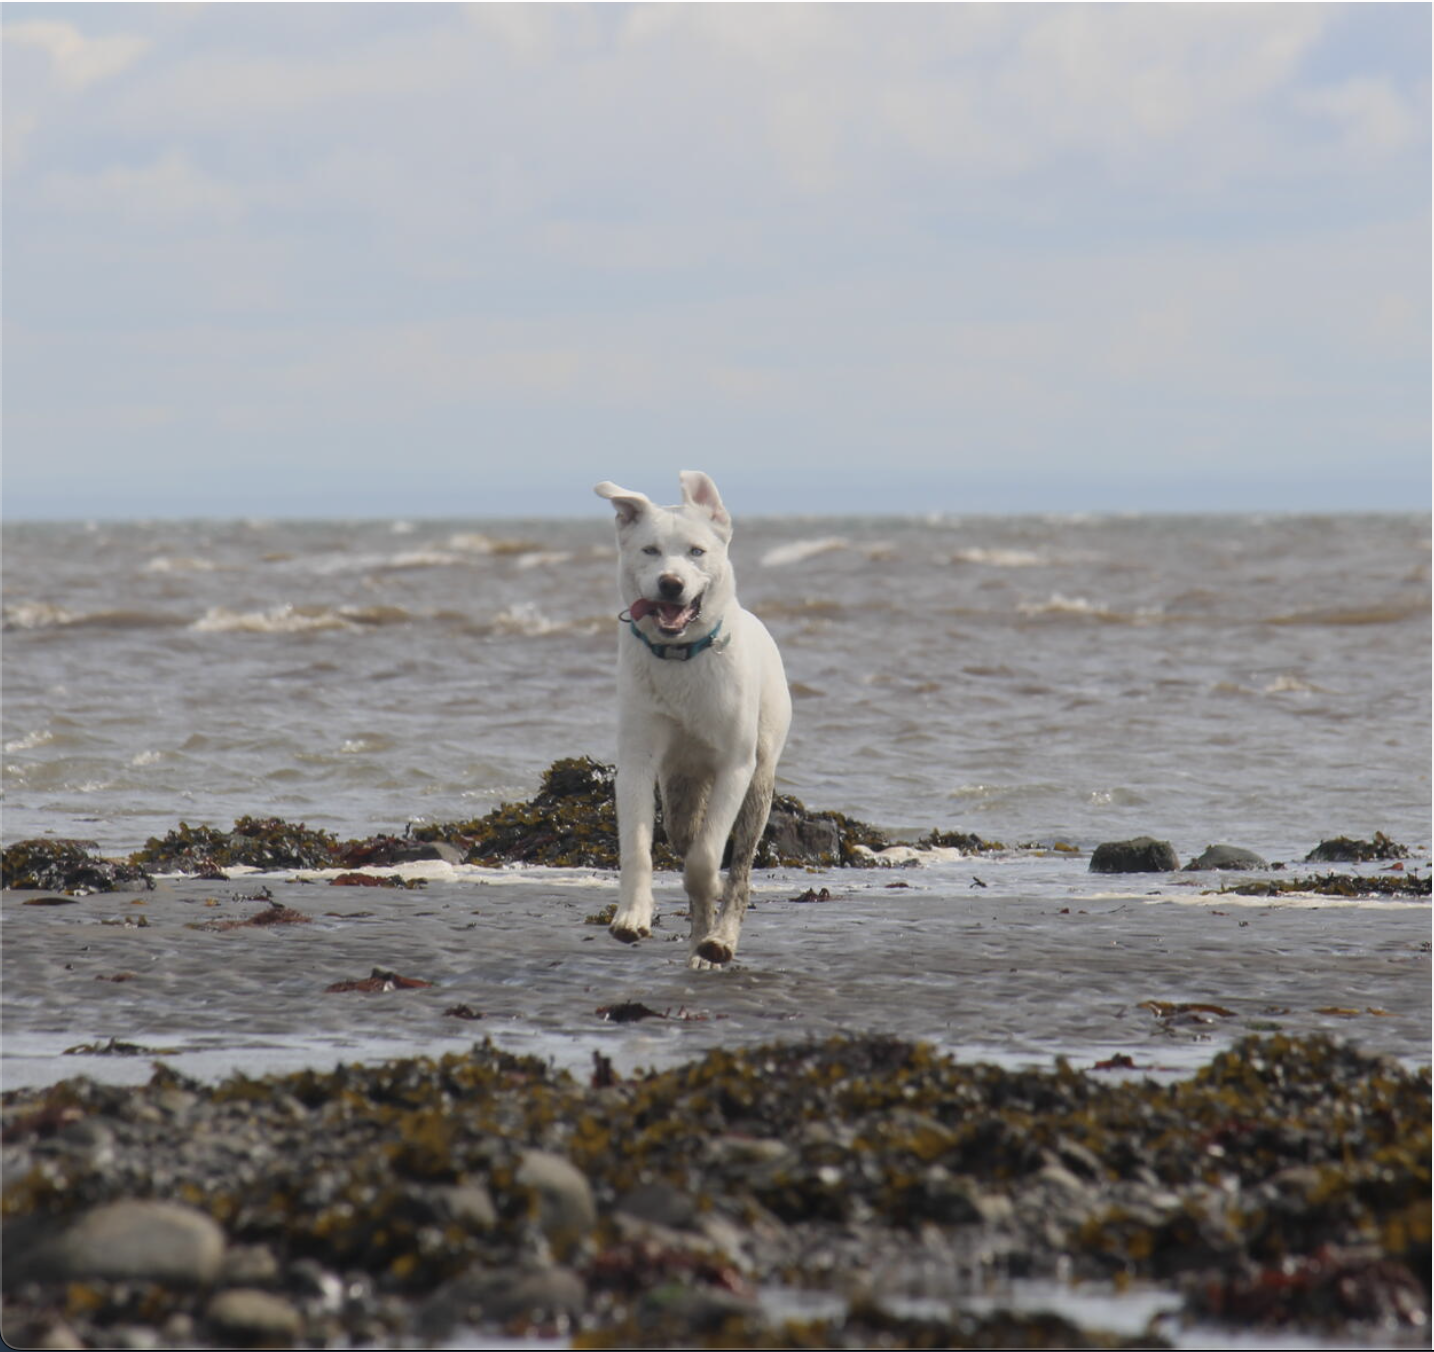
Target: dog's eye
{"points": [[651, 549], [697, 551]]}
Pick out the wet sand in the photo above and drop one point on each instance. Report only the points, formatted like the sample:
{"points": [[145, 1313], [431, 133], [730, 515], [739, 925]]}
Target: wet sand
{"points": [[1043, 961]]}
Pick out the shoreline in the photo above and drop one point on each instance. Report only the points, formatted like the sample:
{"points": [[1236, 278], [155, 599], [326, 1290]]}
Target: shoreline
{"points": [[890, 1191]]}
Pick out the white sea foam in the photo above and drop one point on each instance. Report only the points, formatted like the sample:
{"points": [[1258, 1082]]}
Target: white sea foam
{"points": [[40, 737], [39, 615], [284, 619], [1001, 558], [801, 550], [168, 563]]}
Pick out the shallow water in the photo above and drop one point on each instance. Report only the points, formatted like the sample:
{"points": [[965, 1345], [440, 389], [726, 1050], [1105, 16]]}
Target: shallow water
{"points": [[1043, 961]]}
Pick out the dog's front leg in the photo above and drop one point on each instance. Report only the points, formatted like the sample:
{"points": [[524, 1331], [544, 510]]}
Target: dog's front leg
{"points": [[702, 874], [636, 781]]}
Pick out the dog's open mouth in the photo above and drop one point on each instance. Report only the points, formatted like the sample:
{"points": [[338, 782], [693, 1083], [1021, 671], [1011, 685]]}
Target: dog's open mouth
{"points": [[672, 616]]}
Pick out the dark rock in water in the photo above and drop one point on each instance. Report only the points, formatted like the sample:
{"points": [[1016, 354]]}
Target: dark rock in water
{"points": [[1343, 850], [792, 834], [1143, 854], [1225, 857], [66, 866]]}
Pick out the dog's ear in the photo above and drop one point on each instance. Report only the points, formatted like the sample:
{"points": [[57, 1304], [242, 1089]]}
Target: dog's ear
{"points": [[699, 491], [628, 505]]}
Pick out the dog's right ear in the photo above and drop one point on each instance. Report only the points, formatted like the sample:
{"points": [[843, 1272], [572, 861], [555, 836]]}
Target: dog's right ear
{"points": [[628, 505]]}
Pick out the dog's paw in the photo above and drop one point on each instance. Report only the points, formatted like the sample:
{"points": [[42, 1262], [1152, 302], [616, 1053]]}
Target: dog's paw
{"points": [[711, 952], [629, 934]]}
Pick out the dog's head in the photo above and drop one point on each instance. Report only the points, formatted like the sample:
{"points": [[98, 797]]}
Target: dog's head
{"points": [[672, 561]]}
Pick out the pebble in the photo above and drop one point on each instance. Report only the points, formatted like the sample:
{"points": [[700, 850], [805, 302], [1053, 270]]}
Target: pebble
{"points": [[254, 1318], [565, 1199], [132, 1240]]}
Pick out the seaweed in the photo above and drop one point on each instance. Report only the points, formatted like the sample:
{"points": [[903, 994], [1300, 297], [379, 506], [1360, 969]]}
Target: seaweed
{"points": [[1335, 885], [255, 842], [1289, 1179], [1345, 850], [66, 866]]}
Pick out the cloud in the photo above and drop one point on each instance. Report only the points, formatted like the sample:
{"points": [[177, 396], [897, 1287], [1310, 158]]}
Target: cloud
{"points": [[76, 60], [1007, 229]]}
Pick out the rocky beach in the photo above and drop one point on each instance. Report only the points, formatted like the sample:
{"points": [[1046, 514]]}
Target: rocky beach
{"points": [[406, 1092]]}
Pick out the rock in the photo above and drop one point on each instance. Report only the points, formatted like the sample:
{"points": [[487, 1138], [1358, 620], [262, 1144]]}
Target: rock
{"points": [[249, 1265], [140, 1241], [1343, 850], [498, 1295], [791, 835], [468, 1205], [659, 1204], [1143, 854], [65, 866], [1225, 857], [565, 1200], [254, 1318]]}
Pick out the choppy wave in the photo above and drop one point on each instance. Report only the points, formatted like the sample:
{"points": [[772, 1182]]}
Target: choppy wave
{"points": [[1078, 607], [526, 618], [171, 563], [43, 615], [801, 550], [1001, 558], [1354, 615], [285, 619]]}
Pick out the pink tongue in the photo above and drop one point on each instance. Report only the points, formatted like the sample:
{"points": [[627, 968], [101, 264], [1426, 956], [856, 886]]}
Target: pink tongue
{"points": [[669, 613]]}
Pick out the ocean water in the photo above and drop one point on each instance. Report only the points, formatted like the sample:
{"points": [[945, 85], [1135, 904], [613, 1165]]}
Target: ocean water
{"points": [[1257, 680]]}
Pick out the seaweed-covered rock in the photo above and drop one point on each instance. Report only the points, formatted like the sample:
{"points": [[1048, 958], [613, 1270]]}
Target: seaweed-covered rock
{"points": [[1344, 850], [1143, 854], [255, 842], [966, 841], [66, 866], [572, 823], [1225, 857], [1339, 885]]}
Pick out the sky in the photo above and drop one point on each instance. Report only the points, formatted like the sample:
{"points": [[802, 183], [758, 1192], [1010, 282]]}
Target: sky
{"points": [[467, 260]]}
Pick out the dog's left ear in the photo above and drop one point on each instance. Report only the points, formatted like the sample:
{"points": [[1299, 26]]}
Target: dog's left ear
{"points": [[699, 491]]}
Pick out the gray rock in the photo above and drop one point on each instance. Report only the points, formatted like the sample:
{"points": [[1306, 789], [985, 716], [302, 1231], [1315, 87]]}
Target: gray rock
{"points": [[1225, 857], [139, 1241], [565, 1200], [659, 1204], [1143, 854], [467, 1204], [249, 1265], [253, 1317], [499, 1294], [795, 837]]}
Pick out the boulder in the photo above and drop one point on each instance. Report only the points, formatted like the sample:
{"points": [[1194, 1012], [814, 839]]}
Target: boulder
{"points": [[1143, 854], [1225, 857]]}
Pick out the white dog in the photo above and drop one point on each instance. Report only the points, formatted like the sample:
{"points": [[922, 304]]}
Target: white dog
{"points": [[703, 713]]}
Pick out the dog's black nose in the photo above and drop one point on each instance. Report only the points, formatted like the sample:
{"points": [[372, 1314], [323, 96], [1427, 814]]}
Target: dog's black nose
{"points": [[669, 586]]}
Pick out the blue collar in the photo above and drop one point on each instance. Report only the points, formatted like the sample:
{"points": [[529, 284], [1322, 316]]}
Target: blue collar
{"points": [[677, 652]]}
